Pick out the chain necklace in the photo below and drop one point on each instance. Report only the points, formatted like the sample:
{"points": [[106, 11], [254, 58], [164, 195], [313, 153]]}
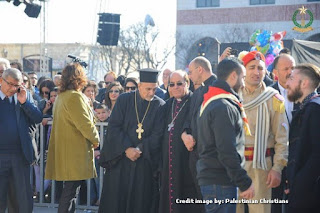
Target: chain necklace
{"points": [[170, 125], [140, 130]]}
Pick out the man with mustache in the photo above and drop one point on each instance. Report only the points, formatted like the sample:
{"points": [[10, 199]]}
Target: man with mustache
{"points": [[283, 66], [266, 148], [303, 169]]}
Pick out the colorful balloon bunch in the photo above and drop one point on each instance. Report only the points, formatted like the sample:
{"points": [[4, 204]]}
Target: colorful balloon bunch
{"points": [[267, 43]]}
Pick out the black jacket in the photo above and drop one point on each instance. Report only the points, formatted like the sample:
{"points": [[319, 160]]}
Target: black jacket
{"points": [[303, 168], [221, 143]]}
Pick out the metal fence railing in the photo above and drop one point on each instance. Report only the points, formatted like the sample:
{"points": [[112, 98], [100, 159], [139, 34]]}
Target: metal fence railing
{"points": [[48, 198]]}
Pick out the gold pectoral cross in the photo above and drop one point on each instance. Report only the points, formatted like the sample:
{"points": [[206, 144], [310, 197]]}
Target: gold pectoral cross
{"points": [[139, 130]]}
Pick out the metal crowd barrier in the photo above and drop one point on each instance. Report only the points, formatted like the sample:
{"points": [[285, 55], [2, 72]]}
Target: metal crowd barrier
{"points": [[40, 136]]}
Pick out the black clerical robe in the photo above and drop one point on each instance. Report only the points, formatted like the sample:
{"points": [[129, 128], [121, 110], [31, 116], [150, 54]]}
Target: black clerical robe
{"points": [[130, 187], [176, 179]]}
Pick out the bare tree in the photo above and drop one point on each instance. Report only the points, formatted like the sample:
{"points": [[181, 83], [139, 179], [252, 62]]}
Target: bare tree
{"points": [[234, 33], [184, 44]]}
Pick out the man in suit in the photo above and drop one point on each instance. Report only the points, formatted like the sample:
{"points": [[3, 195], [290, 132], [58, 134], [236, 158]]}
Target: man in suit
{"points": [[283, 66], [18, 112]]}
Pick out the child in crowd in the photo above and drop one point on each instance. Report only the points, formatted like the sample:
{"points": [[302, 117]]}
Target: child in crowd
{"points": [[102, 114]]}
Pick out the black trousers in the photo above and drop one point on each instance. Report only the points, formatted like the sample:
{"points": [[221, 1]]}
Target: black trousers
{"points": [[15, 184], [68, 197]]}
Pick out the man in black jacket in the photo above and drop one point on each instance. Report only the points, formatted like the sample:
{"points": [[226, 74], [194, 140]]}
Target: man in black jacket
{"points": [[221, 140], [304, 145]]}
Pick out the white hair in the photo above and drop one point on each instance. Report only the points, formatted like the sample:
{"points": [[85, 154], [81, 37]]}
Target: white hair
{"points": [[13, 73]]}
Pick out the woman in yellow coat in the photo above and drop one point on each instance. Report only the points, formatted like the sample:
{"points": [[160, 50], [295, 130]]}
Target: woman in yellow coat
{"points": [[73, 137]]}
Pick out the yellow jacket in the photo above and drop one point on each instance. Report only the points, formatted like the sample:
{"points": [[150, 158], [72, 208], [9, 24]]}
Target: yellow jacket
{"points": [[73, 134]]}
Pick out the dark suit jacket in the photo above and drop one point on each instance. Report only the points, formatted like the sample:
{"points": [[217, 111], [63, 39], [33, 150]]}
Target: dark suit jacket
{"points": [[276, 86], [268, 81], [101, 94], [27, 116]]}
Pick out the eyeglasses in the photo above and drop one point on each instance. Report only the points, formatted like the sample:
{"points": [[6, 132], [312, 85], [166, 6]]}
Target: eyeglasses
{"points": [[16, 86], [178, 84], [114, 91], [131, 88]]}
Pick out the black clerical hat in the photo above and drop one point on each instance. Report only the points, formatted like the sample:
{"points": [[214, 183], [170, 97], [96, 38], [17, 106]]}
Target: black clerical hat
{"points": [[149, 75]]}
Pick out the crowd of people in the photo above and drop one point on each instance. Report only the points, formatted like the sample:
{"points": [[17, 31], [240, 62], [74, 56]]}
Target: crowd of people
{"points": [[240, 139]]}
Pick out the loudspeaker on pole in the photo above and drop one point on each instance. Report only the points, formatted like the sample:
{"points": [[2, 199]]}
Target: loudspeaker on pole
{"points": [[108, 29]]}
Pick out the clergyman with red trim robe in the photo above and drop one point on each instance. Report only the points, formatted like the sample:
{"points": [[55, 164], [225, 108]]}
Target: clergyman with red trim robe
{"points": [[222, 126]]}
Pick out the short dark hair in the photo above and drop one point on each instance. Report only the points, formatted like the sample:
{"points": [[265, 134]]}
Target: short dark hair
{"points": [[92, 84], [102, 106], [121, 79], [132, 80], [227, 66], [310, 71], [17, 64], [285, 51], [32, 73]]}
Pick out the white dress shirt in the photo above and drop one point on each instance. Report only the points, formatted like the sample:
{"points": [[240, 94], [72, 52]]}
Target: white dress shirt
{"points": [[288, 104]]}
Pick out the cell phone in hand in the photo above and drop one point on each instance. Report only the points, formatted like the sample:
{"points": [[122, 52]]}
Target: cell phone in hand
{"points": [[18, 90], [234, 52]]}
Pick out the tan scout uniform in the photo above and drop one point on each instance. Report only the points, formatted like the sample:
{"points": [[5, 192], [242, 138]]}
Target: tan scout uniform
{"points": [[277, 139]]}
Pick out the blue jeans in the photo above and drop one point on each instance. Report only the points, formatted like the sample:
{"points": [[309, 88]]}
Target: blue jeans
{"points": [[95, 182], [217, 194]]}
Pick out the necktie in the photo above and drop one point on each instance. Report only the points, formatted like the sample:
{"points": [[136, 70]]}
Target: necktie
{"points": [[6, 99]]}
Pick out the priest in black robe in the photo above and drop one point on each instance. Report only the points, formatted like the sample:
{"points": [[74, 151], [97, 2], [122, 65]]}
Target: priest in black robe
{"points": [[177, 183], [131, 151]]}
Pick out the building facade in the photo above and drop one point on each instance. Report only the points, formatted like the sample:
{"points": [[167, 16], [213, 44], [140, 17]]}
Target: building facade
{"points": [[202, 25]]}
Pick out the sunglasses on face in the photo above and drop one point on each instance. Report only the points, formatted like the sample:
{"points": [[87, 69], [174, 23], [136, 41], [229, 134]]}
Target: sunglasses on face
{"points": [[131, 88], [178, 84], [107, 82], [25, 80], [46, 92], [114, 91]]}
